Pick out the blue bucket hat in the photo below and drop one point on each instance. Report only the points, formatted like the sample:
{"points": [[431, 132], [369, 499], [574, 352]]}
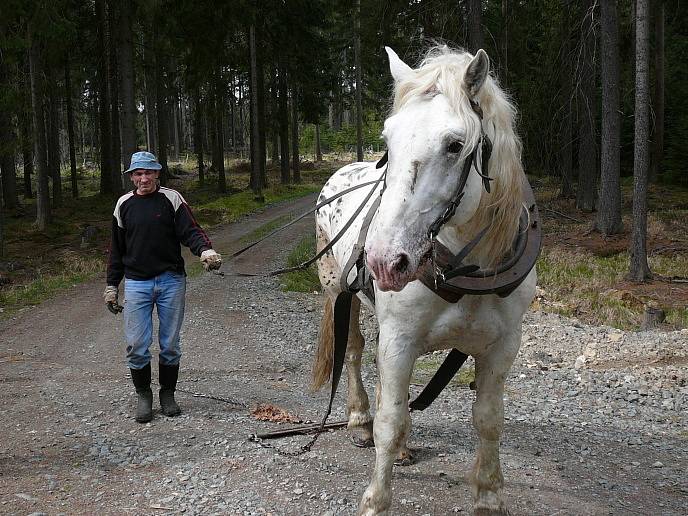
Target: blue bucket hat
{"points": [[145, 160]]}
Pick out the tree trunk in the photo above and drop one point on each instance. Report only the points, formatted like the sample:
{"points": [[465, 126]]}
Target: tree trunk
{"points": [[8, 163], [658, 97], [161, 113], [149, 93], [2, 235], [318, 150], [359, 81], [198, 136], [475, 29], [261, 114], [70, 130], [27, 154], [8, 145], [232, 117], [587, 102], [175, 123], [116, 145], [25, 123], [639, 269], [125, 61], [220, 137], [274, 111], [215, 157], [505, 41], [256, 154], [296, 166], [103, 101], [609, 214], [566, 132], [54, 157], [42, 193], [283, 125]]}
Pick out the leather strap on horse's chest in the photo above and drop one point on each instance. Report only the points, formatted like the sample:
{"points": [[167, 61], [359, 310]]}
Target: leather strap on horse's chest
{"points": [[455, 279]]}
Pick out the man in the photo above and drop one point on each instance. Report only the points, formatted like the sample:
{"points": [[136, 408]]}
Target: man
{"points": [[148, 225]]}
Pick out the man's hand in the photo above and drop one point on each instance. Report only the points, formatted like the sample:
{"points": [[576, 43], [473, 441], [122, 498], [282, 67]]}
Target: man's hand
{"points": [[110, 295], [211, 260]]}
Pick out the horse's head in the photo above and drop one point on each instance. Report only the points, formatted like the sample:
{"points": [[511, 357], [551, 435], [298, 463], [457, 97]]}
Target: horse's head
{"points": [[430, 135]]}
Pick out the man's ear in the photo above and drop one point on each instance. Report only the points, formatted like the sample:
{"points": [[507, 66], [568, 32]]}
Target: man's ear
{"points": [[397, 67], [476, 73]]}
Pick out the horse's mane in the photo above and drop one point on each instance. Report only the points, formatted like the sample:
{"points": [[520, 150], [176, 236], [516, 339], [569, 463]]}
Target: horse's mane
{"points": [[442, 70]]}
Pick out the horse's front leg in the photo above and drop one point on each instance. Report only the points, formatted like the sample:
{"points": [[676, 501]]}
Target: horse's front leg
{"points": [[392, 422], [491, 370], [357, 404]]}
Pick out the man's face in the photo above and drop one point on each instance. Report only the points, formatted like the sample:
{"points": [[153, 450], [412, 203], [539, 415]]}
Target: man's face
{"points": [[145, 180]]}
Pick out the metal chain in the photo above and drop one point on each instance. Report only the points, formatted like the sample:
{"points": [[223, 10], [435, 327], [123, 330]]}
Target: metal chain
{"points": [[303, 450], [253, 437], [216, 398]]}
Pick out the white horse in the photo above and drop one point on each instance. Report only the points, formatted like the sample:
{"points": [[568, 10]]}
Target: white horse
{"points": [[432, 131]]}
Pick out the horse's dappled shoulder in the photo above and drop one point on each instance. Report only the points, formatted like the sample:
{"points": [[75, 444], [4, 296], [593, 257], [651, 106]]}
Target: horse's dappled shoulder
{"points": [[349, 175]]}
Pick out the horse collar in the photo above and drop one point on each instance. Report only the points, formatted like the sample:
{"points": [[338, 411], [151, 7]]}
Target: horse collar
{"points": [[457, 279]]}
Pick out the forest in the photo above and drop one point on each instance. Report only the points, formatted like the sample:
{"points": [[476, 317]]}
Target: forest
{"points": [[241, 97]]}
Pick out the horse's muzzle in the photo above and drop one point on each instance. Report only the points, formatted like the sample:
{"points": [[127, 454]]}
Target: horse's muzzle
{"points": [[391, 272]]}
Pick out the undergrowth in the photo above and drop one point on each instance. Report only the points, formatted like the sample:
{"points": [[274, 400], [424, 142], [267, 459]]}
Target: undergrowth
{"points": [[304, 280]]}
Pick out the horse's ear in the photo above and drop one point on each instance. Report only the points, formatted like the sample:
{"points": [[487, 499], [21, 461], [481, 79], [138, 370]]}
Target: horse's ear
{"points": [[399, 69], [476, 73]]}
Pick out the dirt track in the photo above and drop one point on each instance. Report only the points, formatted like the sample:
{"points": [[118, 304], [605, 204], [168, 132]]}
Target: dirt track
{"points": [[571, 445]]}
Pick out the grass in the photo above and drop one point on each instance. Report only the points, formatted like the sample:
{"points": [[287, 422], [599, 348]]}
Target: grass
{"points": [[427, 365], [74, 270], [305, 280], [595, 289], [584, 275], [227, 209], [265, 229]]}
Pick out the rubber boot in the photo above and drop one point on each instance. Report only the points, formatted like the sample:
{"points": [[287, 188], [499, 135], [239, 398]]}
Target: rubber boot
{"points": [[144, 406], [168, 384]]}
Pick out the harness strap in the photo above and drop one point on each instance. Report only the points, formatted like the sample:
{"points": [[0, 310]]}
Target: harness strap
{"points": [[342, 315], [317, 207], [330, 244], [361, 282], [451, 365]]}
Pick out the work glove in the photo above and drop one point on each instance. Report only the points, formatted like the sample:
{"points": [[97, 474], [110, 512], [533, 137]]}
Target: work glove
{"points": [[110, 295], [211, 260]]}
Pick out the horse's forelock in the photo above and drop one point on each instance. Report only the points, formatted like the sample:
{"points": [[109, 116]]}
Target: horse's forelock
{"points": [[443, 70]]}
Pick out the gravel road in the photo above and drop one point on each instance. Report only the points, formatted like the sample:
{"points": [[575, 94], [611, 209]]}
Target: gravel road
{"points": [[596, 418]]}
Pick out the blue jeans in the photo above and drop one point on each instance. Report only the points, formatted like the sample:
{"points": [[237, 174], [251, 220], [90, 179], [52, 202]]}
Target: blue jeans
{"points": [[167, 292]]}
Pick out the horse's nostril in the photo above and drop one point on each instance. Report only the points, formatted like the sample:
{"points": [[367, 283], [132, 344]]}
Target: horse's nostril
{"points": [[401, 263]]}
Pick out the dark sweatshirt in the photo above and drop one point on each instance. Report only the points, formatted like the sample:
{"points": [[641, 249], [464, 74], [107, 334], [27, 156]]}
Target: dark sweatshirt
{"points": [[147, 231]]}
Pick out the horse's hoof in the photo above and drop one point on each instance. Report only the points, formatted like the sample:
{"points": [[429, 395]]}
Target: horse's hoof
{"points": [[361, 442], [405, 459]]}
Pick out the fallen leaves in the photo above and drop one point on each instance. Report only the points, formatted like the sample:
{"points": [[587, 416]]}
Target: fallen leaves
{"points": [[274, 414]]}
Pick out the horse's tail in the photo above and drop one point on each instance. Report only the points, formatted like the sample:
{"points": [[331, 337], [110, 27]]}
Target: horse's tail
{"points": [[322, 366]]}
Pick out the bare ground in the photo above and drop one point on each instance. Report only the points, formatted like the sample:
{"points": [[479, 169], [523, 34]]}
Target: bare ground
{"points": [[70, 445]]}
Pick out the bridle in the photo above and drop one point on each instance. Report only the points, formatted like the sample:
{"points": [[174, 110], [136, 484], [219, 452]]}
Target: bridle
{"points": [[484, 147], [446, 274]]}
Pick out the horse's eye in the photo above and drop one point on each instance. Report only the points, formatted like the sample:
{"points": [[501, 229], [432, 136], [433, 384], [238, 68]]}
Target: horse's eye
{"points": [[454, 147]]}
